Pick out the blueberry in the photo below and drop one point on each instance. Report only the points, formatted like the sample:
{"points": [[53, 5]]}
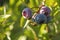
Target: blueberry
{"points": [[40, 18], [45, 10], [27, 13]]}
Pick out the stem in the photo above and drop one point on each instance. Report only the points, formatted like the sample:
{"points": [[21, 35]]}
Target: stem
{"points": [[8, 35], [27, 22], [43, 3], [35, 36], [4, 10], [4, 14]]}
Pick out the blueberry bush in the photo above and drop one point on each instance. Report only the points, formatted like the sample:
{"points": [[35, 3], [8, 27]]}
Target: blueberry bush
{"points": [[12, 22]]}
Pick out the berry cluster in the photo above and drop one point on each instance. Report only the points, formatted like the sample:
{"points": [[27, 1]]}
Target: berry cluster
{"points": [[43, 15]]}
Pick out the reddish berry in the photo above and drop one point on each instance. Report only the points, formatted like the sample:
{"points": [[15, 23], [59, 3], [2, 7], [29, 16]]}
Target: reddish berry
{"points": [[45, 10], [27, 13]]}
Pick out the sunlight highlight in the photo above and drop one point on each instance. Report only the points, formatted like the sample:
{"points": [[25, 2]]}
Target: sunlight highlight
{"points": [[11, 2], [55, 25], [22, 38], [8, 35]]}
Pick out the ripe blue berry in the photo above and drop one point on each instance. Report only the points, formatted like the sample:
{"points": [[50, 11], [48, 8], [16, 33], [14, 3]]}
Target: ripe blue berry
{"points": [[40, 18], [27, 13], [45, 10]]}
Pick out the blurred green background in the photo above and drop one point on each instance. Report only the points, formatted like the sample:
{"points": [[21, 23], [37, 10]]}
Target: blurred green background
{"points": [[12, 22]]}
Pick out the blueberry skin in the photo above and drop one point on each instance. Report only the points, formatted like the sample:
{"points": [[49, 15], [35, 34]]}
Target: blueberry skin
{"points": [[27, 13], [40, 18]]}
